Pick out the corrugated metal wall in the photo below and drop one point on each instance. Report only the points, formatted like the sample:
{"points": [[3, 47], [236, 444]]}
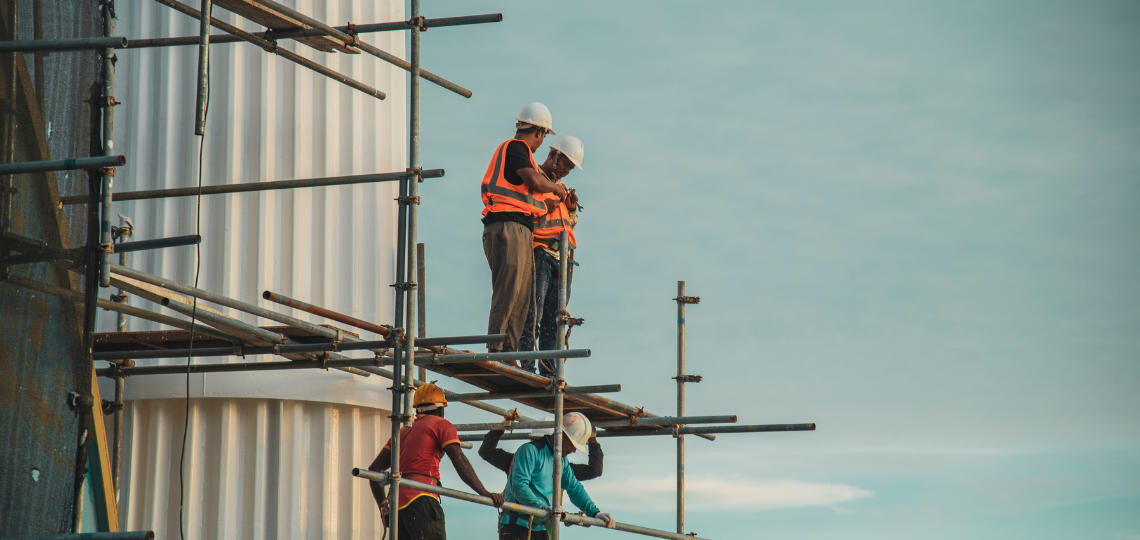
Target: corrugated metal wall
{"points": [[255, 469], [269, 458], [268, 120]]}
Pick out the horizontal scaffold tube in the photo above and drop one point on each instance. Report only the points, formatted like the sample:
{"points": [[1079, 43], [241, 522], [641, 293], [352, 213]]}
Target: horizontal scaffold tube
{"points": [[216, 39], [274, 49], [53, 45], [704, 430], [221, 322], [421, 358], [99, 162], [158, 243], [534, 393], [526, 510], [257, 186], [233, 367], [623, 423]]}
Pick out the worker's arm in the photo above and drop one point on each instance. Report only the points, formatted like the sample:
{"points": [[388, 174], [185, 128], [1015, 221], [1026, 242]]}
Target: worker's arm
{"points": [[467, 474], [521, 477], [539, 183], [382, 462], [491, 453], [593, 469], [577, 493]]}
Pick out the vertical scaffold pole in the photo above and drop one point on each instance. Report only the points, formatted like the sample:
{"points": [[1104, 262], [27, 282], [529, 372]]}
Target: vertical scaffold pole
{"points": [[108, 107], [680, 406], [203, 69], [125, 233], [421, 297], [413, 196], [559, 381], [682, 378]]}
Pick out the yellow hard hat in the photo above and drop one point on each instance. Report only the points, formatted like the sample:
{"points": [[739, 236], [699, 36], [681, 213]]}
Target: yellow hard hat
{"points": [[429, 397]]}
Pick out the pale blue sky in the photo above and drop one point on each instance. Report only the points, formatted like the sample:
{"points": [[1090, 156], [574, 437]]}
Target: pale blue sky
{"points": [[916, 225]]}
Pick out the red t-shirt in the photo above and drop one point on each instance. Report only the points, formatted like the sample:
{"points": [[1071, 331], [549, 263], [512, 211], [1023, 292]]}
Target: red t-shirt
{"points": [[421, 447]]}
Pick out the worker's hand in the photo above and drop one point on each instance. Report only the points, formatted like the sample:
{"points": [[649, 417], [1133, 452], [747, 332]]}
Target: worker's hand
{"points": [[560, 191], [572, 200], [496, 498], [593, 434], [610, 521]]}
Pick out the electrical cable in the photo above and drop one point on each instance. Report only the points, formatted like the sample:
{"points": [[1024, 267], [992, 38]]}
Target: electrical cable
{"points": [[193, 313]]}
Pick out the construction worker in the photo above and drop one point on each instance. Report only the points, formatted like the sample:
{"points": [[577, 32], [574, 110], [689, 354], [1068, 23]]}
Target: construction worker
{"points": [[501, 459], [421, 447], [531, 480], [566, 153], [511, 191]]}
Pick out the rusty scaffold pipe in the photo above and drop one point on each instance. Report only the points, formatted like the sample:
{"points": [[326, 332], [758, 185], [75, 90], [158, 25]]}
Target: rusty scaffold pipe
{"points": [[62, 45], [651, 421]]}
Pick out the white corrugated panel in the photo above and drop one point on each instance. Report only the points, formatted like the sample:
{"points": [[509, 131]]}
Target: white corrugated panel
{"points": [[255, 469], [269, 454]]}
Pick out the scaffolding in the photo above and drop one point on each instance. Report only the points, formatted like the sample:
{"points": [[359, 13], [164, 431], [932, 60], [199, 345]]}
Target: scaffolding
{"points": [[402, 346]]}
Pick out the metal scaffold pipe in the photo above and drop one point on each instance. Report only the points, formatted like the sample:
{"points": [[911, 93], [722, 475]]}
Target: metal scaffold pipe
{"points": [[326, 313], [525, 510], [72, 164], [159, 243], [601, 388], [291, 348], [61, 45], [258, 186], [622, 423], [131, 535], [274, 49], [633, 432], [219, 39]]}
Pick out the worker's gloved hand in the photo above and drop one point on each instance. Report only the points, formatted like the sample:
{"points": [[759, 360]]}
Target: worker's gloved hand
{"points": [[610, 521]]}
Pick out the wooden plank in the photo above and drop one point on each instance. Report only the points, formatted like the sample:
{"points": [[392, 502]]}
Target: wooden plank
{"points": [[278, 21], [99, 457]]}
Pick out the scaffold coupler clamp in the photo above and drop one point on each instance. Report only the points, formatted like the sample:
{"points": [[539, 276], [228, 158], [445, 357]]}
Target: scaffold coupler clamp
{"points": [[271, 39], [418, 173], [404, 286], [581, 519], [352, 34], [688, 299], [238, 350], [676, 431], [419, 21], [509, 420], [688, 378]]}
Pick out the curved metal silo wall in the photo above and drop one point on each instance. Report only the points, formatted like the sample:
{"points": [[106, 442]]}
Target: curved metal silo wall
{"points": [[268, 454]]}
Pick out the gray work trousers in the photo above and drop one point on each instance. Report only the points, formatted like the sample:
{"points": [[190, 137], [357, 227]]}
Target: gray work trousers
{"points": [[507, 245]]}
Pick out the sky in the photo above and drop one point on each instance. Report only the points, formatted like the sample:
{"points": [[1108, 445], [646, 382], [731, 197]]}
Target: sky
{"points": [[915, 224]]}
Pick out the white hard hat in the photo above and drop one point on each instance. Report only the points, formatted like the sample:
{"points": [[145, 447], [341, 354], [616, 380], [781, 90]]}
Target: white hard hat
{"points": [[539, 432], [571, 147], [577, 427], [537, 114]]}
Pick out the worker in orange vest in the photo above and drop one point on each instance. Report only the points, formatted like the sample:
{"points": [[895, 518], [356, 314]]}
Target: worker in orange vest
{"points": [[566, 153], [421, 448], [513, 189]]}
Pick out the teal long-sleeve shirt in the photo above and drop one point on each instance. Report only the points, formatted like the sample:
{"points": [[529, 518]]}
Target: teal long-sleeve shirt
{"points": [[531, 482]]}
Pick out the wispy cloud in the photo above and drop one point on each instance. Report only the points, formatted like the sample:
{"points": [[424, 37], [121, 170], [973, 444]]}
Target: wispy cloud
{"points": [[658, 493]]}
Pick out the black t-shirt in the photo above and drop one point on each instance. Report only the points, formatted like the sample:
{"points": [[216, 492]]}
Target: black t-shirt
{"points": [[518, 157]]}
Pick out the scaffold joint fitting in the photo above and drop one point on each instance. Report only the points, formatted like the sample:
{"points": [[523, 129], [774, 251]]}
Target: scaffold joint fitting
{"points": [[688, 299]]}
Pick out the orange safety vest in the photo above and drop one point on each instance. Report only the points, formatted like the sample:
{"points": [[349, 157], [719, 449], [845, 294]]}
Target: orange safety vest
{"points": [[548, 227], [499, 195]]}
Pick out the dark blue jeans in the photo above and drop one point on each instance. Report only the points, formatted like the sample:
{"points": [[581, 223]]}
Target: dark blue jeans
{"points": [[544, 311]]}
